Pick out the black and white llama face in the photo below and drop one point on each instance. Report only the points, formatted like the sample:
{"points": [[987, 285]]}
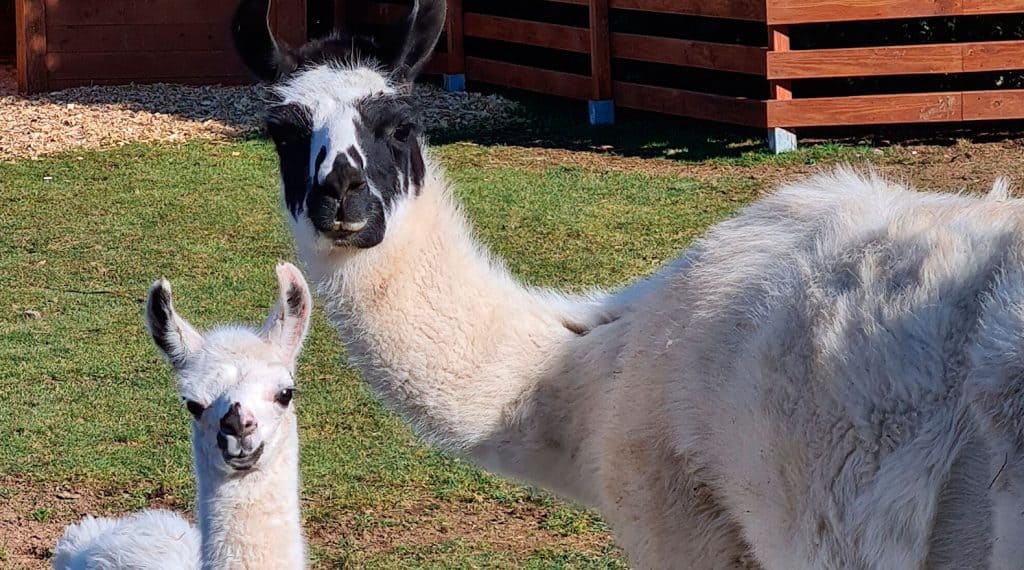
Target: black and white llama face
{"points": [[348, 142]]}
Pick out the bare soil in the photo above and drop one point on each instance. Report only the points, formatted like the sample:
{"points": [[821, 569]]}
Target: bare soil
{"points": [[33, 517]]}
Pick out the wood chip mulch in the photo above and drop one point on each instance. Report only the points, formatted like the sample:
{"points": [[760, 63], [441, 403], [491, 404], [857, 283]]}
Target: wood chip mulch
{"points": [[106, 117]]}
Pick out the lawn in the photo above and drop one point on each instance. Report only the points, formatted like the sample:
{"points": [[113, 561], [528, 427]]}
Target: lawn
{"points": [[91, 421]]}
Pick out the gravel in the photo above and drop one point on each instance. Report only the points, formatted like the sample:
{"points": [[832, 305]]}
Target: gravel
{"points": [[105, 117]]}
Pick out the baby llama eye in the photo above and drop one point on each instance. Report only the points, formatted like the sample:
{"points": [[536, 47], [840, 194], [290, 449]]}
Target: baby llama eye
{"points": [[284, 397]]}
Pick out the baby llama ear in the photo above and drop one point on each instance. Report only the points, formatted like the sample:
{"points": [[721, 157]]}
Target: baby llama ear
{"points": [[288, 322], [175, 338]]}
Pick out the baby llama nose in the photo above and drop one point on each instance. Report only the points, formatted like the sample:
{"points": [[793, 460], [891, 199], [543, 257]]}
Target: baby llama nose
{"points": [[236, 422]]}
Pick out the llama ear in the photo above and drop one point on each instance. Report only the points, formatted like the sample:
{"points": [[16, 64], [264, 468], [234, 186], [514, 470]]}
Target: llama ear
{"points": [[255, 43], [176, 339], [288, 322], [426, 22]]}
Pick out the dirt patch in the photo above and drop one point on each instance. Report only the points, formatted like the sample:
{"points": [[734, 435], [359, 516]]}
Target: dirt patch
{"points": [[517, 529], [33, 516], [962, 166]]}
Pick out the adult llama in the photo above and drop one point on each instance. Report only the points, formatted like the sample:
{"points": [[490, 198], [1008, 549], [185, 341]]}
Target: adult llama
{"points": [[832, 379]]}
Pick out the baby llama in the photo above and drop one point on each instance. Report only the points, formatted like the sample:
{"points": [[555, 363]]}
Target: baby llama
{"points": [[237, 382]]}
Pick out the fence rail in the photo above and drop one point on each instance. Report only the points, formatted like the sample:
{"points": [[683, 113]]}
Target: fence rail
{"points": [[777, 99], [772, 64]]}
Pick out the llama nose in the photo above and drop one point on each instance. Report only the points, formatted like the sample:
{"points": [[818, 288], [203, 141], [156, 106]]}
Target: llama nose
{"points": [[236, 422], [343, 178]]}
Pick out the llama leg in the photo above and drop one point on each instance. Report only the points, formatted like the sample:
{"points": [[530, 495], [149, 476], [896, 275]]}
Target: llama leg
{"points": [[665, 516]]}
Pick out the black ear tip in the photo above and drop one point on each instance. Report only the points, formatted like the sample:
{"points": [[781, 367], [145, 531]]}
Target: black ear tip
{"points": [[254, 42], [158, 305]]}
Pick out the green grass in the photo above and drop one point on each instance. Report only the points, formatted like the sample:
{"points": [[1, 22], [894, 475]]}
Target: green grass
{"points": [[88, 403]]}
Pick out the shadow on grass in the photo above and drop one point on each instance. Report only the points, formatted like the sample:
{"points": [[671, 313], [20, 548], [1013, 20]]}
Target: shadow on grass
{"points": [[550, 122]]}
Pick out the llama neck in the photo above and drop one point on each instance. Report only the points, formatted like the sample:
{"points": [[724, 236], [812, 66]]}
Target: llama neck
{"points": [[447, 338], [252, 520]]}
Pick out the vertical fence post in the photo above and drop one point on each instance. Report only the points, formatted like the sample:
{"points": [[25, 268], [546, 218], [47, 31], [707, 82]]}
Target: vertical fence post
{"points": [[455, 70], [30, 46], [341, 15], [601, 107], [780, 140]]}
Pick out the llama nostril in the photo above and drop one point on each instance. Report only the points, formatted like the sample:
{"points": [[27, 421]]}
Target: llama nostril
{"points": [[236, 423]]}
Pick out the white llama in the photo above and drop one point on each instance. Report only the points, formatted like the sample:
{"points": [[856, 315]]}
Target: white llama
{"points": [[237, 382], [834, 379]]}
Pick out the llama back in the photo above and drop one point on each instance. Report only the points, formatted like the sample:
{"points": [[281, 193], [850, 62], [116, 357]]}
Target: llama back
{"points": [[149, 540], [823, 366]]}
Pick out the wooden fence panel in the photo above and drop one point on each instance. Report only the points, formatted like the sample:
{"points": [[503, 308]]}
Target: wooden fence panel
{"points": [[554, 36], [853, 62], [690, 53], [866, 110], [814, 11], [993, 56], [690, 104], [994, 105], [528, 78], [752, 10], [129, 37]]}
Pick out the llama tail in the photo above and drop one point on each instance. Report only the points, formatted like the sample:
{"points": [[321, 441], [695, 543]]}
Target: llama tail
{"points": [[151, 539]]}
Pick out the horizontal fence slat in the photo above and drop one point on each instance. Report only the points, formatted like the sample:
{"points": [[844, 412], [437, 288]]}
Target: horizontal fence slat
{"points": [[129, 38], [978, 7], [379, 13], [142, 65], [814, 11], [993, 56], [853, 62], [684, 103], [993, 105], [751, 10], [57, 84], [690, 53], [554, 36], [98, 12], [896, 60], [528, 78], [866, 110]]}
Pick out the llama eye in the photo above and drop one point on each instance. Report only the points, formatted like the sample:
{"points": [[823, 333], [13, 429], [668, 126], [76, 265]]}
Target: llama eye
{"points": [[195, 408], [402, 132], [284, 397]]}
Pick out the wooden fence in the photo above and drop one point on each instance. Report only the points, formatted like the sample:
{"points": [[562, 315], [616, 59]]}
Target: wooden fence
{"points": [[765, 62], [89, 42], [746, 62]]}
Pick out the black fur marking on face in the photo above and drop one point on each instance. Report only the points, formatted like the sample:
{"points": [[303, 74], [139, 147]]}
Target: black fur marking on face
{"points": [[357, 159], [388, 136], [291, 128]]}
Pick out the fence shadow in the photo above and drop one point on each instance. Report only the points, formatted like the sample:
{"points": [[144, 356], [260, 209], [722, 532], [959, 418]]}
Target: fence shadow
{"points": [[553, 123]]}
